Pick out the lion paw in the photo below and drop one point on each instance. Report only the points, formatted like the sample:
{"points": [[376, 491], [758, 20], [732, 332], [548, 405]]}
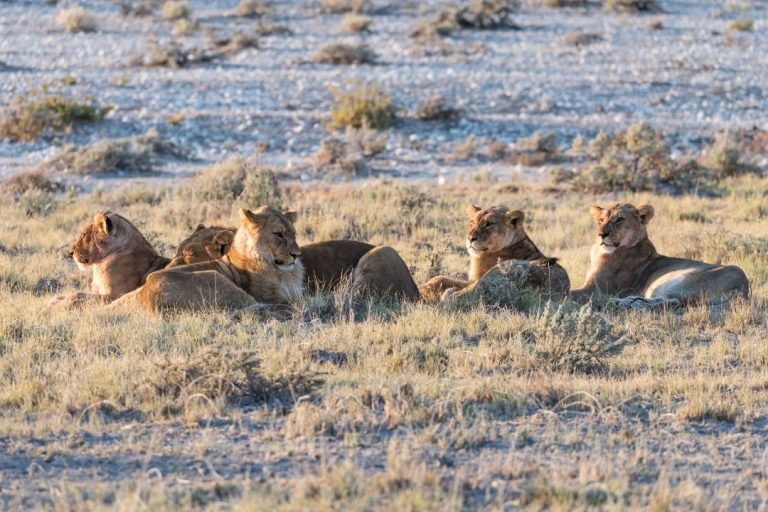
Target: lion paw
{"points": [[448, 295], [642, 303]]}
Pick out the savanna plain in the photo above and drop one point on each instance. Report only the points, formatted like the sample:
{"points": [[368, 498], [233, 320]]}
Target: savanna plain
{"points": [[381, 122]]}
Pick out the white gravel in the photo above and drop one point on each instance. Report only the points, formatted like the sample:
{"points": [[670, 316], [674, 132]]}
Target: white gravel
{"points": [[690, 79]]}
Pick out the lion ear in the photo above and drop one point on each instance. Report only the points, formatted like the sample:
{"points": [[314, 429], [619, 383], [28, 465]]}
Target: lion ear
{"points": [[290, 215], [646, 213], [472, 210], [515, 217], [595, 211], [249, 217], [103, 222], [223, 241], [199, 227]]}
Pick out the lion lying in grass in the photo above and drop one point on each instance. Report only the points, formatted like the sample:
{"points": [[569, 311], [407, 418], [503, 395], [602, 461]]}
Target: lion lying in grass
{"points": [[625, 264], [496, 234], [377, 271], [117, 254]]}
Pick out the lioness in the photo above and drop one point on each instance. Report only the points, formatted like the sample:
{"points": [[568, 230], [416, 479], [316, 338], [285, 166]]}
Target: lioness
{"points": [[625, 264], [377, 271], [261, 268], [118, 255], [497, 234]]}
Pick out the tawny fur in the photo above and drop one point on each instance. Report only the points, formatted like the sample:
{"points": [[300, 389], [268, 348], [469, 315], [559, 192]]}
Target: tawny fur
{"points": [[118, 256], [376, 271], [624, 263], [497, 234]]}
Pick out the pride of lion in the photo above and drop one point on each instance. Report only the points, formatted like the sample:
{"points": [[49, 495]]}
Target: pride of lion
{"points": [[260, 265]]}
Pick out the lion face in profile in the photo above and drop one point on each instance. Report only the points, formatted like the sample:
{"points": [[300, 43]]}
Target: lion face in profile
{"points": [[105, 236], [492, 229], [268, 235], [621, 225], [205, 244]]}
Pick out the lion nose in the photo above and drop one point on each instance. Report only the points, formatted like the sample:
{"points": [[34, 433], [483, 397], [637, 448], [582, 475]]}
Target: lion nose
{"points": [[473, 238], [296, 255], [603, 234], [71, 253]]}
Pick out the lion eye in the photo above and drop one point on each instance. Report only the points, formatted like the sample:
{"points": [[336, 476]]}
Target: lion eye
{"points": [[619, 220], [279, 235]]}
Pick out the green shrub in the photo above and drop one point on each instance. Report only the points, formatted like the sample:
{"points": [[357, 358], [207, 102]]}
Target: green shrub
{"points": [[365, 106], [30, 116]]}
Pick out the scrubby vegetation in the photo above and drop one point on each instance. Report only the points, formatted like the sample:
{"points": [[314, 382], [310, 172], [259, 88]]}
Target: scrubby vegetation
{"points": [[340, 53], [174, 10], [237, 181], [362, 106], [133, 155], [436, 109], [37, 114], [632, 5], [354, 23], [76, 19], [251, 8]]}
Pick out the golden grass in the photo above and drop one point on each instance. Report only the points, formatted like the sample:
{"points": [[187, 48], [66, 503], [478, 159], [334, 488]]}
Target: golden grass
{"points": [[466, 408]]}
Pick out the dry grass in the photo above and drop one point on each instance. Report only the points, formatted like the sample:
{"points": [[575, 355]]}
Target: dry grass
{"points": [[76, 19], [34, 115], [251, 8], [376, 404], [741, 25], [580, 38], [342, 6], [363, 106], [435, 109], [340, 53], [632, 6]]}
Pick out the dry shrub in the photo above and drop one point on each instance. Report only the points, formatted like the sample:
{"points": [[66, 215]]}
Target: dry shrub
{"points": [[185, 27], [251, 8], [136, 8], [354, 23], [172, 55], [340, 53], [238, 180], [224, 376], [174, 10], [632, 6], [724, 156], [342, 6], [35, 179], [76, 19], [363, 106], [573, 340], [348, 155], [30, 116], [536, 150], [478, 15], [741, 25], [435, 109], [233, 44], [580, 38], [138, 154], [564, 3], [639, 160]]}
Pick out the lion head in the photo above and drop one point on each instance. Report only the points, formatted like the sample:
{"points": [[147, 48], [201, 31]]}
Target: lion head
{"points": [[107, 235], [492, 229], [621, 225], [268, 235], [207, 243]]}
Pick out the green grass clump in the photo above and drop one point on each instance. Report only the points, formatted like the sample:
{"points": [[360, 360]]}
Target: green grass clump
{"points": [[28, 118], [365, 106]]}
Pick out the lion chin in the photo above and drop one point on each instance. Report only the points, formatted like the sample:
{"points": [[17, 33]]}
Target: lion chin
{"points": [[286, 267], [82, 266], [474, 252]]}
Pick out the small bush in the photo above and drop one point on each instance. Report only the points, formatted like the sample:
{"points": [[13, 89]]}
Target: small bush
{"points": [[76, 19], [580, 38], [365, 106], [233, 44], [536, 150], [342, 6], [639, 160], [741, 25], [632, 5], [29, 117], [30, 180], [573, 340], [185, 27], [435, 109], [136, 8], [337, 155], [171, 55], [563, 3], [354, 23], [340, 53], [724, 156], [174, 10], [238, 180], [251, 8], [132, 155]]}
